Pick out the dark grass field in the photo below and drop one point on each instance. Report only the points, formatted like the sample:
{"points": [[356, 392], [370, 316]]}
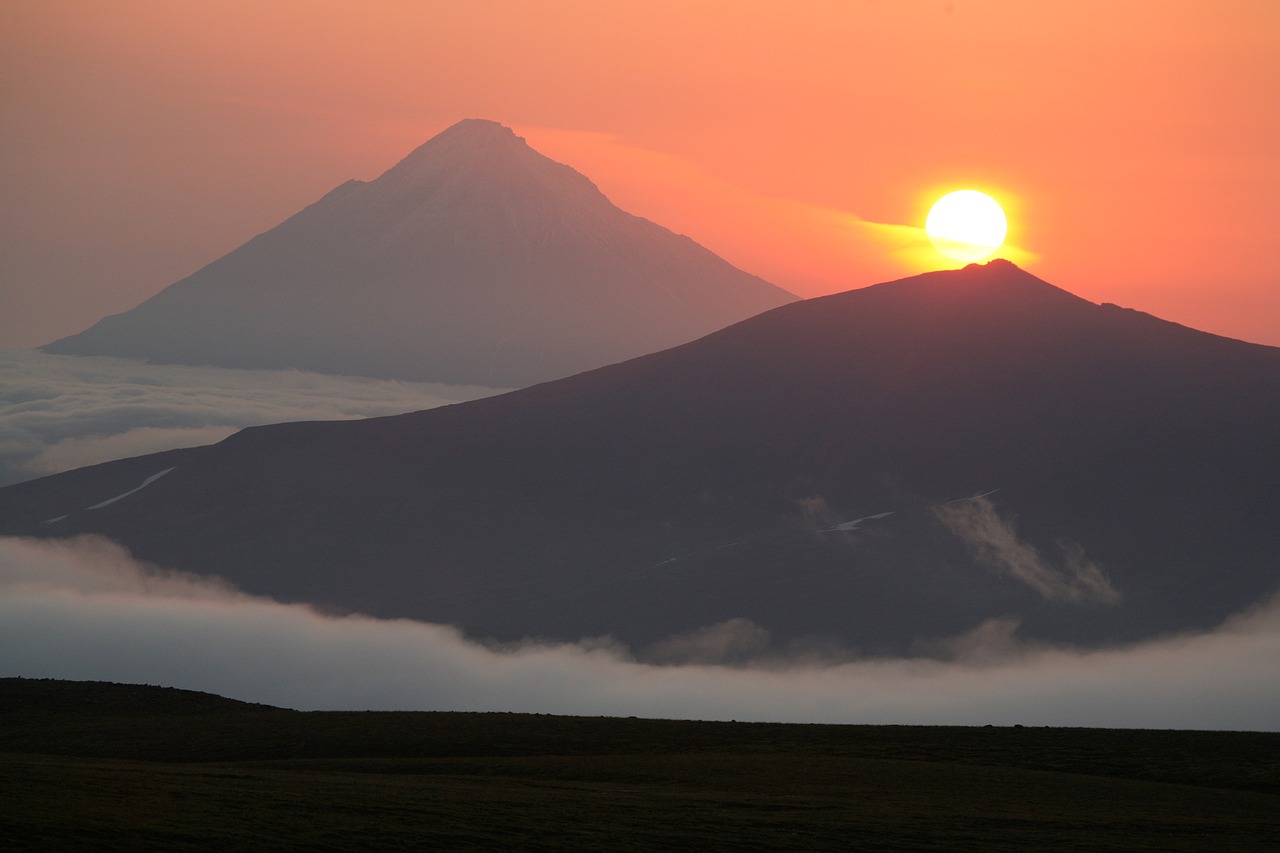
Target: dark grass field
{"points": [[96, 766]]}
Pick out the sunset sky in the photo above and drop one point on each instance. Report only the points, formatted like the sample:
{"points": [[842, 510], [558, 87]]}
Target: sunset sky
{"points": [[1133, 144]]}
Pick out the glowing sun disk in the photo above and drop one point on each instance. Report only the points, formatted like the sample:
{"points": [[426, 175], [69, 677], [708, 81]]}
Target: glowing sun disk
{"points": [[966, 225]]}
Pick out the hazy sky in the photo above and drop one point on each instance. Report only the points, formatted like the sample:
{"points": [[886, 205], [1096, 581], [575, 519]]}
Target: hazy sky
{"points": [[1132, 143]]}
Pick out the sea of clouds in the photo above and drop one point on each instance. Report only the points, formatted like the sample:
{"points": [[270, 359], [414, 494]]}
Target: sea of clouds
{"points": [[60, 412], [83, 609]]}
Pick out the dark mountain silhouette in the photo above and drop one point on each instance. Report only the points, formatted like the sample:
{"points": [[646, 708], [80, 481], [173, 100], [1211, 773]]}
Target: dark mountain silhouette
{"points": [[473, 260], [812, 469]]}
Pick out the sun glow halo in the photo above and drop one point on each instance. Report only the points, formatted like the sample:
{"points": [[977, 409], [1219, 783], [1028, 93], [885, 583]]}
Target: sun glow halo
{"points": [[966, 225]]}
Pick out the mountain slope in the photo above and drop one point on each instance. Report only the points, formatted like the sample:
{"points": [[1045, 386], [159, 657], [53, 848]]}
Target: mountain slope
{"points": [[473, 260], [1133, 461]]}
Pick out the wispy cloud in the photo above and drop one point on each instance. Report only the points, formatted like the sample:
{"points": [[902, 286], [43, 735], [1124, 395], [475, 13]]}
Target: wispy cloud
{"points": [[61, 412], [735, 641], [808, 248], [994, 542], [910, 245], [84, 610]]}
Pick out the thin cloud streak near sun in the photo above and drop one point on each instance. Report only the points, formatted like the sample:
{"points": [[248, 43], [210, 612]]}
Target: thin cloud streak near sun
{"points": [[82, 609], [823, 246]]}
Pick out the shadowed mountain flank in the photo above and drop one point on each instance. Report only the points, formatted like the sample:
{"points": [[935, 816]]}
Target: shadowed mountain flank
{"points": [[474, 260], [875, 469]]}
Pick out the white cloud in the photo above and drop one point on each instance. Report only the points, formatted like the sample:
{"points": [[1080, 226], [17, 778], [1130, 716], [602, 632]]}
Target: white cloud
{"points": [[734, 641], [83, 610], [60, 412]]}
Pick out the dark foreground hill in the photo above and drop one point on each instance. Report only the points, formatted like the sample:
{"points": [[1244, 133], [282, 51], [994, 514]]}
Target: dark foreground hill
{"points": [[813, 470], [474, 260], [116, 767]]}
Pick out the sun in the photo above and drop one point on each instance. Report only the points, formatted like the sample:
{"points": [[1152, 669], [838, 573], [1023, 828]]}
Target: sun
{"points": [[966, 225]]}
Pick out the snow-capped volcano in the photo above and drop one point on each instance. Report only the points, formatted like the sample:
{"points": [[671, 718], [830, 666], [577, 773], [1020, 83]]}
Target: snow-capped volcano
{"points": [[474, 260]]}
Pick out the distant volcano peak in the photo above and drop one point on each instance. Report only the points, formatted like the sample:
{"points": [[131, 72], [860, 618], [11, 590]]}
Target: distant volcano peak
{"points": [[475, 259]]}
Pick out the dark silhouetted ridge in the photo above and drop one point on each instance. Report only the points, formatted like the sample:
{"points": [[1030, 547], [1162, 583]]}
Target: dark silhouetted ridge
{"points": [[1132, 461]]}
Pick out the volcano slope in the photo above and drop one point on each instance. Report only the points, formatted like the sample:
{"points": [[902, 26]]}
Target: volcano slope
{"points": [[871, 470]]}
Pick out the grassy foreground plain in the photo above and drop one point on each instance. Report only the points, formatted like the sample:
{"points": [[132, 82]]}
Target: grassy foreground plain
{"points": [[98, 766]]}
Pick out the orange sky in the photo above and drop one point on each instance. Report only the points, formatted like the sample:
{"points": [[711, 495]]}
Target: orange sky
{"points": [[1132, 143]]}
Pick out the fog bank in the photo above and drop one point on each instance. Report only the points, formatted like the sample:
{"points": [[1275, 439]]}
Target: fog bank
{"points": [[82, 609]]}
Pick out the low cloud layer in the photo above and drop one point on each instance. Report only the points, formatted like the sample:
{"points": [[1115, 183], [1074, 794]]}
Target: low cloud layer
{"points": [[61, 412], [84, 610], [994, 542]]}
